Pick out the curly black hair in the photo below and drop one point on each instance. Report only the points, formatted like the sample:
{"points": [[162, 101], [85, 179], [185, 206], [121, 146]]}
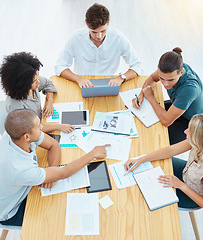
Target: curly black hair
{"points": [[17, 73]]}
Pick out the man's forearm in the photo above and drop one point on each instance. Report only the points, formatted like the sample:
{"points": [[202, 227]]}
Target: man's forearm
{"points": [[54, 155], [130, 74], [69, 75]]}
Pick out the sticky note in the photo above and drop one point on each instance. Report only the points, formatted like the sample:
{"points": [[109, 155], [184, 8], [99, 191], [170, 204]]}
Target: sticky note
{"points": [[106, 202]]}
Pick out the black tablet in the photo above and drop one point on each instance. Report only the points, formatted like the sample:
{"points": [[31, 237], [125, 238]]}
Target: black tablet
{"points": [[76, 118], [55, 136], [99, 177]]}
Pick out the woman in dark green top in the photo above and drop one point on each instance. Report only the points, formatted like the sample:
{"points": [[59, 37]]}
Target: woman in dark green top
{"points": [[184, 88]]}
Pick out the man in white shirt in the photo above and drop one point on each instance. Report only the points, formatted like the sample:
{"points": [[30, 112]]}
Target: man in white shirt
{"points": [[19, 170], [96, 50]]}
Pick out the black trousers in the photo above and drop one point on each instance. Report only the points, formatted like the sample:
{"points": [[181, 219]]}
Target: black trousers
{"points": [[176, 130], [17, 219]]}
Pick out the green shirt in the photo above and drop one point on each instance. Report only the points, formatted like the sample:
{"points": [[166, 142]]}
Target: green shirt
{"points": [[188, 93]]}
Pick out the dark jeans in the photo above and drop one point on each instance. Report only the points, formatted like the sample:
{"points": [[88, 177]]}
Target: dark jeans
{"points": [[184, 200], [176, 130], [17, 219]]}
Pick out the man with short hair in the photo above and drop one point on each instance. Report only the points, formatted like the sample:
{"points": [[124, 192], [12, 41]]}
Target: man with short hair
{"points": [[96, 50], [19, 170]]}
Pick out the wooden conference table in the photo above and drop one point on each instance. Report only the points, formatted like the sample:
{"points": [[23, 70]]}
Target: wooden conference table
{"points": [[129, 217]]}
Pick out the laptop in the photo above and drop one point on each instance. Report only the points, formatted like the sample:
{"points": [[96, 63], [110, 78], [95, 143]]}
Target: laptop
{"points": [[100, 88]]}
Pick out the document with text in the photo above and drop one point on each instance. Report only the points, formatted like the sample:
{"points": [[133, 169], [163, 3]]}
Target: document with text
{"points": [[124, 180], [66, 106], [82, 214], [119, 149], [146, 113], [78, 180], [112, 123]]}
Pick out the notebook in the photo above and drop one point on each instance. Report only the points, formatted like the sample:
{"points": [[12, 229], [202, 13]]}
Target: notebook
{"points": [[155, 195], [100, 88], [146, 113]]}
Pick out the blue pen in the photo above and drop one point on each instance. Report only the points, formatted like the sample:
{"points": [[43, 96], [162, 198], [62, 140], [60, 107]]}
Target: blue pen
{"points": [[137, 100], [130, 168]]}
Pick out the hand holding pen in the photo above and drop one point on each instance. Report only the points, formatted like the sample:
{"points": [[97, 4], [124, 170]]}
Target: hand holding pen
{"points": [[130, 165], [137, 101]]}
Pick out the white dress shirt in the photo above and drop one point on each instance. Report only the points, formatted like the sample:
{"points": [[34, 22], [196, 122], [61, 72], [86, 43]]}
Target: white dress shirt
{"points": [[103, 60]]}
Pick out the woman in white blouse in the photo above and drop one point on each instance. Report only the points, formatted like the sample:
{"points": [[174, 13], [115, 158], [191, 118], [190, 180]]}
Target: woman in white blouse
{"points": [[188, 175]]}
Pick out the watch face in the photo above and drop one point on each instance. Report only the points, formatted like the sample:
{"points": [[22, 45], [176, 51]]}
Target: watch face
{"points": [[123, 77]]}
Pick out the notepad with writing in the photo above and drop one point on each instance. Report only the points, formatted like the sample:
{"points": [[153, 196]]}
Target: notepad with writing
{"points": [[155, 195], [146, 113]]}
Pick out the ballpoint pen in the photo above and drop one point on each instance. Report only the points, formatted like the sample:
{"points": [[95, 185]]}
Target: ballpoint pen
{"points": [[137, 100], [130, 168]]}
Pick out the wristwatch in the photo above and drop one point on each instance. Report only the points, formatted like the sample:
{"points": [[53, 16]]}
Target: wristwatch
{"points": [[123, 77]]}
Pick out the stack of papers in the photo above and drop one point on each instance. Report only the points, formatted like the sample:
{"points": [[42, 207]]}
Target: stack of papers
{"points": [[146, 113], [112, 123], [78, 180], [119, 149], [69, 140], [124, 180]]}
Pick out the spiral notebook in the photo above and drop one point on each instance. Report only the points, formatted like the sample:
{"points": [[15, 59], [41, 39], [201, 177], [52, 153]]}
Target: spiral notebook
{"points": [[155, 195]]}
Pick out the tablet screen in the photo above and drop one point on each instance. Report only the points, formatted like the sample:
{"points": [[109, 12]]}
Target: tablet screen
{"points": [[99, 177], [75, 118]]}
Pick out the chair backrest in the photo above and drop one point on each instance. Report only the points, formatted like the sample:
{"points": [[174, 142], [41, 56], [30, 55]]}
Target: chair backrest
{"points": [[3, 115], [8, 227], [189, 209]]}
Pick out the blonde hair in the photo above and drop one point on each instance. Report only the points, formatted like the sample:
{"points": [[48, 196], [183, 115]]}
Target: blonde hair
{"points": [[196, 136]]}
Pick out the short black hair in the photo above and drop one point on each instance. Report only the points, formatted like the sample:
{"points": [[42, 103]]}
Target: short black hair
{"points": [[19, 122], [96, 16], [17, 73]]}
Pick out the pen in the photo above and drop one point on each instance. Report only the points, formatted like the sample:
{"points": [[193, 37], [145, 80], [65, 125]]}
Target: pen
{"points": [[137, 100], [130, 168]]}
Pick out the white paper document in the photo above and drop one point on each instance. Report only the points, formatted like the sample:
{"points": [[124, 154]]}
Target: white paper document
{"points": [[123, 180], [82, 214], [112, 123], [155, 195], [59, 107], [119, 149], [133, 129], [69, 140], [146, 113], [77, 180]]}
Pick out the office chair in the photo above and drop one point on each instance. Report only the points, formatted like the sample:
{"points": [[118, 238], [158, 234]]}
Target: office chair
{"points": [[6, 230], [193, 219]]}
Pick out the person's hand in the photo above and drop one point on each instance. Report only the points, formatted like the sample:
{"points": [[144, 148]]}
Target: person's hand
{"points": [[140, 100], [130, 162], [148, 92], [47, 111], [115, 81], [100, 151], [170, 181], [66, 128], [46, 185], [84, 83]]}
